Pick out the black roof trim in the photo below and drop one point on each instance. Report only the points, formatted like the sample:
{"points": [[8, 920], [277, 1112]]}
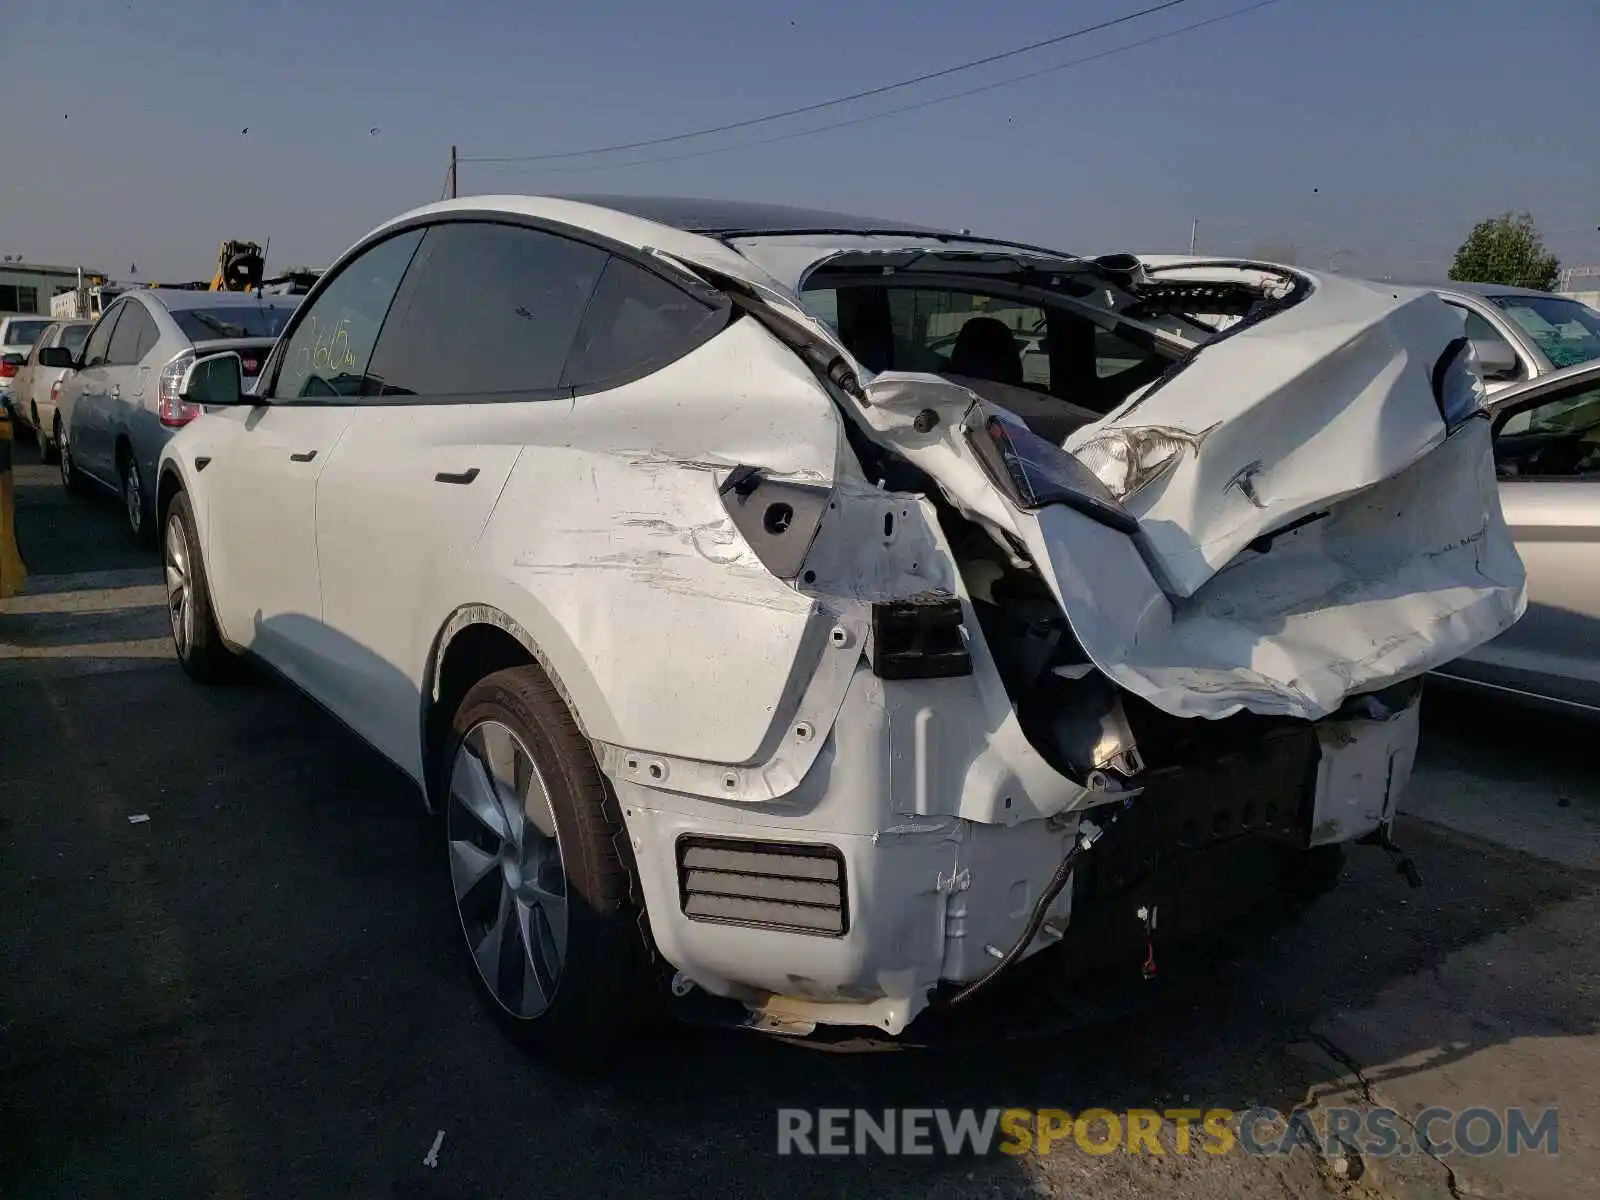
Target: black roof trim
{"points": [[735, 218]]}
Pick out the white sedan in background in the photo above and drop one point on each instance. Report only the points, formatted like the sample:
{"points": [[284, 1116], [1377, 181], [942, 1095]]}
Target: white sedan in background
{"points": [[738, 655]]}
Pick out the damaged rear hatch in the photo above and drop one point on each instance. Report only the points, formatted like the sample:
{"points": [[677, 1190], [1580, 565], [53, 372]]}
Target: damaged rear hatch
{"points": [[1301, 504]]}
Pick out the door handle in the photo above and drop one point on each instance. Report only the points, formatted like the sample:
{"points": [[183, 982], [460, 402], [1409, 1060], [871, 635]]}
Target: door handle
{"points": [[116, 392], [303, 456], [462, 477]]}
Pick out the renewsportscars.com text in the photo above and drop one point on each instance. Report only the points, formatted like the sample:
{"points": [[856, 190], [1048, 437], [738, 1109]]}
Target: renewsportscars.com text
{"points": [[970, 1132]]}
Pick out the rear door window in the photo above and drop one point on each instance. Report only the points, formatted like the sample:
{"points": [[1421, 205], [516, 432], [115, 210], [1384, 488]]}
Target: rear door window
{"points": [[73, 337], [134, 335], [94, 353], [636, 322], [1557, 439], [487, 309]]}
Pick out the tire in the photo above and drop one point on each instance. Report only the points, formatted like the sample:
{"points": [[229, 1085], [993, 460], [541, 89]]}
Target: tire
{"points": [[47, 446], [587, 984], [135, 501], [70, 477], [21, 431], [195, 638]]}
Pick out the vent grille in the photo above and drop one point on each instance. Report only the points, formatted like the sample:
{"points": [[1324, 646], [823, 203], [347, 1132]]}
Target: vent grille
{"points": [[765, 885]]}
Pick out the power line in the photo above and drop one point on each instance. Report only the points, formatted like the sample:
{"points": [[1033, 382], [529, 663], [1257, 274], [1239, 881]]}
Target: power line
{"points": [[905, 108], [821, 104]]}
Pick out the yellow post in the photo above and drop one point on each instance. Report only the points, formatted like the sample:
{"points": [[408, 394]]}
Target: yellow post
{"points": [[12, 572]]}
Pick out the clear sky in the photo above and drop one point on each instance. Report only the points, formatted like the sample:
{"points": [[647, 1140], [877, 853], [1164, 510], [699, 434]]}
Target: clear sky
{"points": [[1366, 133]]}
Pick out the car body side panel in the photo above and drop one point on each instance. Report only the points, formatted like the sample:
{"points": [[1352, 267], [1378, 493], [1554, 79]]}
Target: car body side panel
{"points": [[392, 537], [613, 526], [1554, 650]]}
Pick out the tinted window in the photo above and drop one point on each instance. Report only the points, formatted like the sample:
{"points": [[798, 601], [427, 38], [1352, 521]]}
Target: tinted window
{"points": [[488, 308], [636, 322], [1558, 438], [1567, 331], [135, 333], [73, 337], [94, 354], [328, 352], [25, 333], [205, 324]]}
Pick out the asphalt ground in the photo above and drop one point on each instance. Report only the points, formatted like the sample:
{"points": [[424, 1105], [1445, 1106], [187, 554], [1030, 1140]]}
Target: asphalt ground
{"points": [[230, 967]]}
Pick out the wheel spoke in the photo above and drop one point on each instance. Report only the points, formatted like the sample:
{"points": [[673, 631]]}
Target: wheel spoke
{"points": [[536, 805], [550, 912], [539, 973], [501, 756], [472, 789], [469, 864], [491, 950]]}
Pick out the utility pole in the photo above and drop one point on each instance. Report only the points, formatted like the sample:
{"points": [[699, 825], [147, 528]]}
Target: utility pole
{"points": [[452, 172], [1194, 230]]}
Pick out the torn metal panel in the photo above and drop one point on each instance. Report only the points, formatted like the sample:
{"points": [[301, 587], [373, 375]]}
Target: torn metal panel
{"points": [[1363, 771], [1400, 576]]}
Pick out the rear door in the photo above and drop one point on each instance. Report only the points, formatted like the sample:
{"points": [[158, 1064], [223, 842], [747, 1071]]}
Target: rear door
{"points": [[1547, 448], [469, 362]]}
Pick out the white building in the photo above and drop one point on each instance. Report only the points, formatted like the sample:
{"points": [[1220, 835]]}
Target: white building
{"points": [[27, 287]]}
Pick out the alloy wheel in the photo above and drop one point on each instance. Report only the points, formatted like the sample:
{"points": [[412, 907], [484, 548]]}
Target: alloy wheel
{"points": [[65, 450], [180, 586], [133, 497], [506, 868]]}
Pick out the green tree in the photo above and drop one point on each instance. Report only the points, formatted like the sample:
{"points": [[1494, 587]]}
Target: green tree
{"points": [[1506, 249]]}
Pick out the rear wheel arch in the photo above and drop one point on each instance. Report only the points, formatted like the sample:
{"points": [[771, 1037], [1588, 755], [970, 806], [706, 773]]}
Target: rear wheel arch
{"points": [[167, 487], [476, 641]]}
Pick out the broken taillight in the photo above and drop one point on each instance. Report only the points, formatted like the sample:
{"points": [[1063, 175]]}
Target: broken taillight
{"points": [[1035, 473], [174, 411]]}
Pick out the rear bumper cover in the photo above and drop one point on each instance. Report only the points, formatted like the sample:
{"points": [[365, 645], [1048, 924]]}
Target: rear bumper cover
{"points": [[936, 899]]}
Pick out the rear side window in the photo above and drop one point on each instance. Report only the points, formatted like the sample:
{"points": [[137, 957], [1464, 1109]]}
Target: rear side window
{"points": [[486, 309], [135, 334], [73, 337], [24, 333], [636, 323], [235, 321]]}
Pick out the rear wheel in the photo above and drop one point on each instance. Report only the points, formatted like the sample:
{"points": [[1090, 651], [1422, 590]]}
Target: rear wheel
{"points": [[70, 479], [195, 637], [540, 886], [134, 502], [47, 445]]}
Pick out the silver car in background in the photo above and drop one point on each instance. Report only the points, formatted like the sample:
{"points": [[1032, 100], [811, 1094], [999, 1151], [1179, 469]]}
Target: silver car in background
{"points": [[121, 405], [1521, 334], [1547, 455], [36, 387]]}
